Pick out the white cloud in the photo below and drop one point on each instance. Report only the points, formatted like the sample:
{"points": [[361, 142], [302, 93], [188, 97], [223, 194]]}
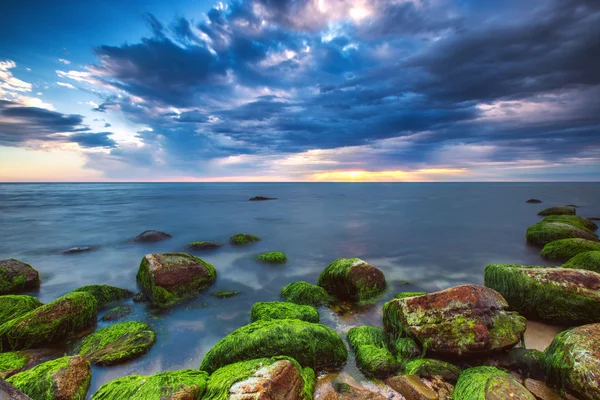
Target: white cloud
{"points": [[62, 60], [8, 82], [67, 85]]}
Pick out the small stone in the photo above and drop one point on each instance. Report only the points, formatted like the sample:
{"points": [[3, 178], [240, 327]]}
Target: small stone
{"points": [[411, 387], [262, 198]]}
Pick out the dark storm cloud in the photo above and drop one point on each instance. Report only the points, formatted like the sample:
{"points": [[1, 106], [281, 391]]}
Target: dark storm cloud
{"points": [[91, 140]]}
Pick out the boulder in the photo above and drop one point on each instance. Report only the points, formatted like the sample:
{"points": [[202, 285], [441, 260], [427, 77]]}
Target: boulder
{"points": [[312, 345], [305, 293], [563, 210], [559, 295], [352, 279], [412, 387], [283, 310], [243, 238], [372, 355], [466, 319], [169, 278], [575, 220], [13, 306], [66, 378], [545, 232], [105, 294], [203, 245], [272, 257], [225, 294], [564, 249], [16, 276], [572, 361], [9, 392], [49, 323], [151, 236], [13, 362], [540, 390], [589, 260], [533, 201], [261, 198], [429, 367], [117, 313], [489, 383], [79, 249], [173, 385]]}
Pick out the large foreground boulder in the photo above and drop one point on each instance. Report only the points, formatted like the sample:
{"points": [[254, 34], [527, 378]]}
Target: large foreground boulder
{"points": [[545, 232], [14, 305], [564, 249], [305, 293], [169, 278], [462, 320], [489, 383], [561, 210], [312, 345], [589, 260], [559, 295], [352, 279], [283, 310], [373, 357], [573, 360], [16, 276], [105, 294]]}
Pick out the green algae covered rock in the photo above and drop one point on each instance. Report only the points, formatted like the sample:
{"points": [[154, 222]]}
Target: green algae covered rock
{"points": [[466, 319], [117, 313], [225, 294], [403, 295], [406, 348], [372, 355], [352, 279], [169, 278], [203, 245], [575, 220], [589, 260], [283, 310], [66, 378], [572, 360], [562, 210], [16, 276], [312, 345], [13, 306], [263, 378], [305, 293], [13, 362], [564, 249], [545, 232], [272, 257], [49, 323], [243, 238], [429, 367], [176, 385], [559, 295], [489, 383], [117, 343], [105, 294]]}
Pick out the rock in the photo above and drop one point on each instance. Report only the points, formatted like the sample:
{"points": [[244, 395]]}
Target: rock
{"points": [[352, 279], [16, 361], [203, 245], [462, 320], [572, 205], [174, 385], [80, 249], [105, 294], [411, 387], [151, 236], [442, 388], [545, 232], [305, 293], [593, 218], [169, 278], [266, 311], [117, 313], [403, 295], [564, 210], [140, 297], [573, 360], [312, 345], [406, 348], [372, 355], [559, 295], [489, 383], [540, 391], [332, 387], [533, 201], [575, 220], [16, 276], [243, 238], [526, 362], [9, 392], [225, 294], [263, 378], [589, 260], [261, 198], [564, 249], [273, 257], [49, 323], [13, 306], [66, 378], [429, 367]]}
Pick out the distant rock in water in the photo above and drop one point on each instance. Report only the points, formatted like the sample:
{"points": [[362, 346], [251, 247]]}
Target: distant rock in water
{"points": [[78, 249], [16, 276], [243, 238], [151, 236], [262, 198], [533, 201], [203, 245], [572, 205], [564, 210], [594, 218]]}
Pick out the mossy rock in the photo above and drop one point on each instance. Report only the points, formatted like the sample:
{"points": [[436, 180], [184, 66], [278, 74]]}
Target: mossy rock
{"points": [[283, 310], [463, 320], [589, 260], [575, 220], [117, 313], [203, 245], [312, 345], [243, 238], [429, 367], [352, 279], [225, 294], [169, 278], [564, 249], [269, 378], [545, 232], [151, 236], [105, 294], [403, 295], [489, 383], [66, 378], [305, 293], [14, 305], [16, 276], [272, 257], [563, 210], [117, 343], [373, 357], [176, 385], [13, 362], [559, 295], [406, 349], [524, 361], [49, 323]]}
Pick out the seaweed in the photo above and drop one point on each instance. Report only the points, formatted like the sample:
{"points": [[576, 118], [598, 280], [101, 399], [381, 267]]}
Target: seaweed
{"points": [[373, 357], [12, 361], [561, 210], [476, 383], [272, 257], [13, 306], [575, 220], [243, 238], [589, 260], [305, 293], [403, 295], [564, 249], [105, 294], [545, 232], [283, 310], [429, 367]]}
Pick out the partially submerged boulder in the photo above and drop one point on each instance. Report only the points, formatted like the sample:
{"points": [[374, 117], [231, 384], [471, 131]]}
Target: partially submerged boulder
{"points": [[14, 305], [266, 311], [173, 385], [151, 236], [558, 295], [489, 383], [203, 245], [225, 294], [272, 257], [533, 201], [372, 355], [589, 260], [305, 293], [575, 220], [562, 210], [261, 198], [13, 362], [312, 345], [105, 294], [16, 276], [545, 232], [466, 319], [430, 367], [352, 279], [66, 378], [117, 313], [49, 323], [78, 249], [169, 278], [564, 249], [243, 238]]}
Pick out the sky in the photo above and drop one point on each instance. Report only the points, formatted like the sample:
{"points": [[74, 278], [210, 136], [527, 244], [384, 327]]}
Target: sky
{"points": [[300, 90]]}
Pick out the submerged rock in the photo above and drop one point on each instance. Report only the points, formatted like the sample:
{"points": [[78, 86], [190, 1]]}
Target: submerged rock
{"points": [[243, 238], [429, 367], [13, 362], [312, 345], [575, 220], [563, 210], [462, 320], [105, 294], [272, 257], [489, 383], [150, 236], [533, 201], [545, 232], [412, 387], [117, 313], [261, 198], [203, 245], [225, 294], [79, 249], [16, 276], [558, 295], [14, 305], [564, 249], [372, 355], [305, 293], [169, 278], [589, 260], [343, 387], [352, 279], [266, 311]]}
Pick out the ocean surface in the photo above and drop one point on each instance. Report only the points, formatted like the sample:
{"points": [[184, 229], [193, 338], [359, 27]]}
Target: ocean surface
{"points": [[434, 235]]}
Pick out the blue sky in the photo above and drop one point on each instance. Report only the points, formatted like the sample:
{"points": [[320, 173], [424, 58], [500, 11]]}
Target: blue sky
{"points": [[300, 90]]}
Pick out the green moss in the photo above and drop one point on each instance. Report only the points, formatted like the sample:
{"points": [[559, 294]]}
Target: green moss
{"points": [[575, 220], [243, 238], [283, 310], [117, 313], [313, 345], [105, 294], [49, 323], [117, 343], [565, 249], [272, 257], [589, 260], [372, 355], [429, 367], [305, 293], [11, 362], [16, 276], [366, 335], [406, 349], [13, 306], [564, 210], [352, 279], [156, 387], [476, 383], [545, 232], [403, 295], [203, 245], [224, 294]]}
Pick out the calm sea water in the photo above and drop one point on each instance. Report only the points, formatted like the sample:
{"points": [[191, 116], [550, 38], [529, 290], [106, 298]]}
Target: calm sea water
{"points": [[433, 235]]}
